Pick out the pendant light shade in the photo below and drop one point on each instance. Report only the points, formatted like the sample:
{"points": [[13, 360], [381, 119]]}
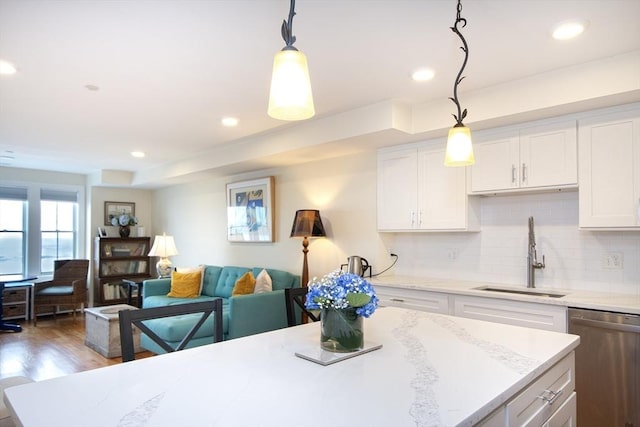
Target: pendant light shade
{"points": [[290, 97], [459, 147]]}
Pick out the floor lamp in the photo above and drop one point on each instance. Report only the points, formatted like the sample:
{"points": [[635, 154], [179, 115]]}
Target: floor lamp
{"points": [[307, 223]]}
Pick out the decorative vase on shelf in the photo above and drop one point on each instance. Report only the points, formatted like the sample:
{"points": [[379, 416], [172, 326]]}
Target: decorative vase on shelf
{"points": [[125, 230], [341, 330]]}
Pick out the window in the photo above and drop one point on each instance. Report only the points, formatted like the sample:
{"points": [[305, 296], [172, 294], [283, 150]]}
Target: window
{"points": [[58, 227], [12, 230]]}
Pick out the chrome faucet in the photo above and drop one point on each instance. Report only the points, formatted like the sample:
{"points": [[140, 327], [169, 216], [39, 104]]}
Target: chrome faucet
{"points": [[532, 257]]}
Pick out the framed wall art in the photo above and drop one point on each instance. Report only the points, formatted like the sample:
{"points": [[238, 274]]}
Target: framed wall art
{"points": [[250, 210], [112, 209]]}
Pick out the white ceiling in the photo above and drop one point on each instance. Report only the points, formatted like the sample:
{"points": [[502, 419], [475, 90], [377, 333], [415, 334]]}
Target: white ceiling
{"points": [[169, 70]]}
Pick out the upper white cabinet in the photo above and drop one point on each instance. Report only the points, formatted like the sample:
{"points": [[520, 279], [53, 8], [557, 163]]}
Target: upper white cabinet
{"points": [[610, 171], [537, 157], [416, 192], [397, 189]]}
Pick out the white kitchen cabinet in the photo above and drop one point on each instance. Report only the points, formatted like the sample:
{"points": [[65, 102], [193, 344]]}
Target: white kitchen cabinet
{"points": [[496, 163], [416, 192], [413, 299], [542, 156], [397, 189], [566, 415], [609, 196], [549, 401], [531, 315]]}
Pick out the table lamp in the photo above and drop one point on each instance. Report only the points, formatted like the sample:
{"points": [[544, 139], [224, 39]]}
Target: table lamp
{"points": [[164, 247], [307, 223]]}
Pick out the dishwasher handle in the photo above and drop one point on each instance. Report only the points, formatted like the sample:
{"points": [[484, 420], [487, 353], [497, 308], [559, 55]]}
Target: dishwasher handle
{"points": [[605, 325]]}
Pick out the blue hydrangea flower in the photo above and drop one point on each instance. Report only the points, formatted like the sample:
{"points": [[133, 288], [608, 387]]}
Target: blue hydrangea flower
{"points": [[337, 289]]}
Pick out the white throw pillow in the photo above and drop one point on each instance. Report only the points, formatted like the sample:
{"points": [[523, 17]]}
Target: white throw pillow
{"points": [[199, 268], [263, 283]]}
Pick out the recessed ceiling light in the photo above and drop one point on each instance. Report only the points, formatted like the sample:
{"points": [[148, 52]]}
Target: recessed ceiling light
{"points": [[138, 154], [566, 30], [423, 75], [229, 122], [7, 68]]}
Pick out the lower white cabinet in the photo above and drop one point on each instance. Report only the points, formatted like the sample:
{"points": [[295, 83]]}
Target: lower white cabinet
{"points": [[414, 299], [518, 313], [549, 401], [565, 416]]}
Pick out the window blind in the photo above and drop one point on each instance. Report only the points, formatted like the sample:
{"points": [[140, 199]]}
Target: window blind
{"points": [[59, 196]]}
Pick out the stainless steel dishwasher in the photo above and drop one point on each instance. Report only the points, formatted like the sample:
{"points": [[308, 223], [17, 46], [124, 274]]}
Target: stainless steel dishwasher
{"points": [[607, 368]]}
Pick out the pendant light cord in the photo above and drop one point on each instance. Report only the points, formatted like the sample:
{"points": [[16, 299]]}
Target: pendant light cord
{"points": [[287, 28], [465, 48]]}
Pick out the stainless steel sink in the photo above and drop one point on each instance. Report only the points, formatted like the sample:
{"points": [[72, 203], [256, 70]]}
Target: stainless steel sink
{"points": [[532, 292]]}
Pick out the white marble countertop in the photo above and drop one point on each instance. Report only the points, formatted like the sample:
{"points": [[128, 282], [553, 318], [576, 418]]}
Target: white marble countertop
{"points": [[432, 370], [623, 303]]}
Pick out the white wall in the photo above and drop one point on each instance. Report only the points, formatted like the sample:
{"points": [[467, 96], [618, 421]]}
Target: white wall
{"points": [[498, 253], [344, 190]]}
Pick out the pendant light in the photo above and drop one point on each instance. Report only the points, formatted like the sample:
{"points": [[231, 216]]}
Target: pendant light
{"points": [[459, 147], [290, 97]]}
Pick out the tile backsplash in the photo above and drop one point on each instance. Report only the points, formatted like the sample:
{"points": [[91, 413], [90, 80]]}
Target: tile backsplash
{"points": [[607, 261]]}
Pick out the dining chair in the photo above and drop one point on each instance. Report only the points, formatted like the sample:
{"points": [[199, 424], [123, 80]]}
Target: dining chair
{"points": [[129, 318], [294, 299], [67, 288]]}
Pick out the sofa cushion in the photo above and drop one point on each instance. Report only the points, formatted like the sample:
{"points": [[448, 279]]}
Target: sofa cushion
{"points": [[280, 279], [227, 280], [185, 285], [198, 269], [163, 300], [263, 283], [210, 280], [174, 329], [244, 285]]}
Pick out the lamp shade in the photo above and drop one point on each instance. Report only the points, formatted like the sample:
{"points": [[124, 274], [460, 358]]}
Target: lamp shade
{"points": [[163, 246], [307, 223], [290, 97], [459, 148]]}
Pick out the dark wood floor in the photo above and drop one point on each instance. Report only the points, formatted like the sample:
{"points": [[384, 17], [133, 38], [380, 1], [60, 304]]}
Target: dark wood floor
{"points": [[52, 349]]}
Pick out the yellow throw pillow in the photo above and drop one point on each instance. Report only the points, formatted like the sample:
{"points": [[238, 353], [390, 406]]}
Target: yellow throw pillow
{"points": [[185, 285], [244, 285], [199, 268]]}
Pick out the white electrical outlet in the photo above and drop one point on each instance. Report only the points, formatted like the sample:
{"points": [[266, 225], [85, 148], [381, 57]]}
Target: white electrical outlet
{"points": [[613, 261], [453, 254]]}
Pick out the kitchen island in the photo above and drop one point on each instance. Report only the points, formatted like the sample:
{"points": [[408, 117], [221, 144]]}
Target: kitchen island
{"points": [[432, 370]]}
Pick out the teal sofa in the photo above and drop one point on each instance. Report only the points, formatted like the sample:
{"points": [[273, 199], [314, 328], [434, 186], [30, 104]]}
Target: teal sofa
{"points": [[242, 315]]}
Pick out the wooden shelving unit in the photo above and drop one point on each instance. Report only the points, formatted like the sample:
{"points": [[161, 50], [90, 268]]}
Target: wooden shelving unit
{"points": [[116, 259]]}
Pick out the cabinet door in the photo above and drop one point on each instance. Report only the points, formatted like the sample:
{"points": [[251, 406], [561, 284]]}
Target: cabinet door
{"points": [[566, 415], [549, 156], [442, 193], [517, 313], [496, 166], [413, 299], [397, 190], [609, 194]]}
